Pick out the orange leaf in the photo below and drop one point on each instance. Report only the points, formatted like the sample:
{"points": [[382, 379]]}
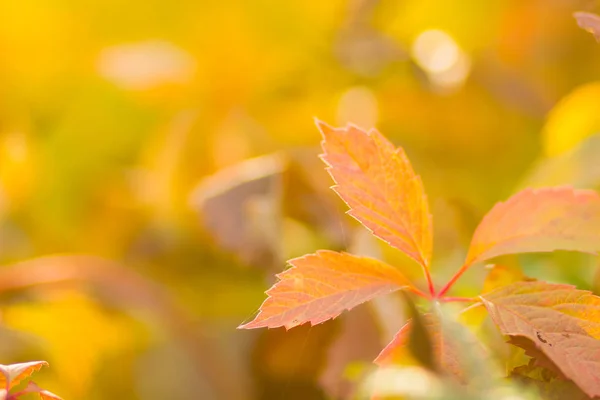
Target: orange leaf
{"points": [[563, 322], [589, 22], [44, 394], [15, 373], [502, 275], [445, 353], [320, 286], [538, 357], [539, 220], [377, 182], [548, 385]]}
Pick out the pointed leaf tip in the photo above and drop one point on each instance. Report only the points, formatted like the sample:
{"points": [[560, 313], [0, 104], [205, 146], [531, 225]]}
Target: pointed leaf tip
{"points": [[15, 373], [319, 286], [322, 126], [378, 183], [588, 22]]}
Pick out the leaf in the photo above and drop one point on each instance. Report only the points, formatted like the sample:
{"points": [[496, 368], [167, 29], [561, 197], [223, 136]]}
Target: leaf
{"points": [[12, 374], [419, 341], [539, 220], [320, 286], [292, 359], [548, 385], [572, 120], [589, 22], [105, 333], [563, 322], [357, 343], [502, 275], [229, 202], [577, 166], [44, 394], [377, 182], [538, 357], [443, 348]]}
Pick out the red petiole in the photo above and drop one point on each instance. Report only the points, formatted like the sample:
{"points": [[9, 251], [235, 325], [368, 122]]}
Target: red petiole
{"points": [[440, 295]]}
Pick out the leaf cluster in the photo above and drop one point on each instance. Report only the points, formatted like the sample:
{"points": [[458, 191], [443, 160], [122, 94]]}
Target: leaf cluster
{"points": [[557, 325]]}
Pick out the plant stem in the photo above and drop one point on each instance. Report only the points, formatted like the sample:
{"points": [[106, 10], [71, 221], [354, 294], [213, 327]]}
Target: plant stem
{"points": [[455, 299], [419, 293], [429, 282], [453, 280]]}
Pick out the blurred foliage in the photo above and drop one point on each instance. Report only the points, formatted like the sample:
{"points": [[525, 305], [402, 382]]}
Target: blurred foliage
{"points": [[125, 130]]}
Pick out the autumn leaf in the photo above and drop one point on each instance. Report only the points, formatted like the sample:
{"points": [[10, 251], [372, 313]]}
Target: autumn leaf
{"points": [[419, 340], [548, 385], [563, 322], [445, 353], [377, 182], [44, 394], [502, 275], [538, 357], [320, 286], [589, 22], [577, 166], [12, 374], [225, 202], [539, 220], [395, 350]]}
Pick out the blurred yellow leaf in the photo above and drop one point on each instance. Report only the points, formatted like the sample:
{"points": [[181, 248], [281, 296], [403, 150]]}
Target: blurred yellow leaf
{"points": [[78, 334], [501, 275], [573, 119]]}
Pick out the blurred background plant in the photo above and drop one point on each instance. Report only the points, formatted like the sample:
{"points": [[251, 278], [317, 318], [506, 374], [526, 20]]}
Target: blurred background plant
{"points": [[158, 164]]}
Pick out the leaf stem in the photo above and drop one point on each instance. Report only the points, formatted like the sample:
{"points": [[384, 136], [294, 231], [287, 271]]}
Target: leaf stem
{"points": [[453, 280], [429, 282], [456, 299], [419, 293]]}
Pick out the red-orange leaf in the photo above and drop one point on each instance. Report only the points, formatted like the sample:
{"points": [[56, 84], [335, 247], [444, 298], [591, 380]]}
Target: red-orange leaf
{"points": [[377, 182], [444, 350], [539, 220], [44, 394], [589, 22], [320, 286], [12, 374], [563, 322]]}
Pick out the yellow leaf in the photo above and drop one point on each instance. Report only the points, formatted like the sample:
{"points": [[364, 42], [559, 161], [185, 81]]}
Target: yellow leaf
{"points": [[573, 119], [78, 334]]}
